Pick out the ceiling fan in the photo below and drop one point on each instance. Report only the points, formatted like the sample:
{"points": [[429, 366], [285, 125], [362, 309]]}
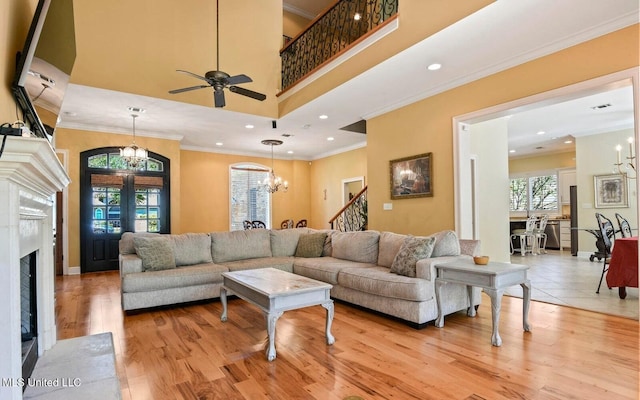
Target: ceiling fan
{"points": [[220, 80]]}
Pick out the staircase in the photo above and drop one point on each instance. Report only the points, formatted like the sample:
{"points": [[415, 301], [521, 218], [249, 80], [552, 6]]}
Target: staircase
{"points": [[353, 216]]}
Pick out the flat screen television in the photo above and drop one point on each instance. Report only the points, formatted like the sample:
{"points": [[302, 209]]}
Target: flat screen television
{"points": [[44, 65]]}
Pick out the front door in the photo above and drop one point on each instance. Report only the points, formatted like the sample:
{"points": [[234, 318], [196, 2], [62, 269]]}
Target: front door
{"points": [[114, 199]]}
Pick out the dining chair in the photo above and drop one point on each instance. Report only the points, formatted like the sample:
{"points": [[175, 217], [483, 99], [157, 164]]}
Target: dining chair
{"points": [[301, 224], [246, 224], [258, 225], [541, 235], [526, 236], [625, 228], [286, 224], [607, 232]]}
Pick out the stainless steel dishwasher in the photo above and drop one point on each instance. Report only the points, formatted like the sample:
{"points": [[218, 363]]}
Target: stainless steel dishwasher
{"points": [[553, 234]]}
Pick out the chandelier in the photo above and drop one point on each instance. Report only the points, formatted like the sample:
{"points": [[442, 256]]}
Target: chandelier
{"points": [[274, 183], [133, 155], [630, 164]]}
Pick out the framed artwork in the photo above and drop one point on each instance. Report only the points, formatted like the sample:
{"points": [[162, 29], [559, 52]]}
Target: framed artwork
{"points": [[611, 191], [411, 177]]}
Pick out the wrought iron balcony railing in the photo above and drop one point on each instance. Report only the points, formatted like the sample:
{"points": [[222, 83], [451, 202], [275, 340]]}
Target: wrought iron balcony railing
{"points": [[354, 215], [331, 33]]}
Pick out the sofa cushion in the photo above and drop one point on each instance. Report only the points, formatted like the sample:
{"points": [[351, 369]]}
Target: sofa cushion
{"points": [[447, 244], [285, 241], [356, 246], [125, 245], [389, 246], [180, 277], [191, 248], [412, 250], [311, 244], [325, 269], [283, 263], [156, 252], [240, 245], [380, 281]]}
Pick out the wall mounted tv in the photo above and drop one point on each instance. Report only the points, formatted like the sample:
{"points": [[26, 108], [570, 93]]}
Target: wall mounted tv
{"points": [[44, 65]]}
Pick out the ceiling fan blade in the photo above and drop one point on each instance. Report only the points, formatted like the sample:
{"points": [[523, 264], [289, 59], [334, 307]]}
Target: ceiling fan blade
{"points": [[218, 98], [248, 93], [188, 89], [194, 75], [238, 79]]}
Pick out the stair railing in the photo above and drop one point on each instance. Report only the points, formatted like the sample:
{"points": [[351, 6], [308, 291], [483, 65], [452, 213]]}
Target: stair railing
{"points": [[338, 28], [353, 216]]}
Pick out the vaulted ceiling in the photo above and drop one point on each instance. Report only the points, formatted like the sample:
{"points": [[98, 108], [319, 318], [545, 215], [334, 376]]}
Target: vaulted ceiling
{"points": [[514, 30]]}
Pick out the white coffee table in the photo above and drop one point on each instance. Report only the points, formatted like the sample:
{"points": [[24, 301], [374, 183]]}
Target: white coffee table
{"points": [[493, 278], [275, 291]]}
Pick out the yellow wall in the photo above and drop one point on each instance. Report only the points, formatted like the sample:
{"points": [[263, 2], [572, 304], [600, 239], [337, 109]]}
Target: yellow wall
{"points": [[426, 126], [326, 183], [76, 141], [113, 54], [15, 18], [542, 163], [293, 24], [204, 190]]}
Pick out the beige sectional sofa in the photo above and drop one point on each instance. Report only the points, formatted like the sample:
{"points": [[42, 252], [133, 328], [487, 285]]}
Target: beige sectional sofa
{"points": [[159, 270]]}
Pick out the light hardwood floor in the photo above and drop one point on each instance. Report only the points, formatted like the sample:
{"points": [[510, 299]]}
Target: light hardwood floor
{"points": [[185, 352]]}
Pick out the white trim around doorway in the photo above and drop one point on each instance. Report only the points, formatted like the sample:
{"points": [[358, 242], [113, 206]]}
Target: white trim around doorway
{"points": [[466, 213]]}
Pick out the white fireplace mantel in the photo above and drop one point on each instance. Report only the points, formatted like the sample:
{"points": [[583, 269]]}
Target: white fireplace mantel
{"points": [[30, 175]]}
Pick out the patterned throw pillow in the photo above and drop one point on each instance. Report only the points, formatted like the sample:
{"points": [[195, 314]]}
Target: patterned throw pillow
{"points": [[156, 252], [412, 250], [311, 244]]}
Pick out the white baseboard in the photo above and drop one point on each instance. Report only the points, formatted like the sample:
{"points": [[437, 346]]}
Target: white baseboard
{"points": [[73, 270]]}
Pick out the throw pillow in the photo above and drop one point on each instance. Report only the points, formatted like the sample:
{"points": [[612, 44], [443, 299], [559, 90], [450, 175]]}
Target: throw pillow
{"points": [[191, 248], [447, 244], [311, 244], [412, 250], [156, 252]]}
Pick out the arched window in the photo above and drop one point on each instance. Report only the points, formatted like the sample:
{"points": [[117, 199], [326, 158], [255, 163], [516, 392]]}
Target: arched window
{"points": [[249, 200]]}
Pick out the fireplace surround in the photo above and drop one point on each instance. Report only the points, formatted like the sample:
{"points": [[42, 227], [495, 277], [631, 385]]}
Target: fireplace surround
{"points": [[30, 175]]}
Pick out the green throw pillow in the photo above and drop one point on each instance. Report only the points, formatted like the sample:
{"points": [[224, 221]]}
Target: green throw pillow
{"points": [[412, 250], [156, 252], [311, 244]]}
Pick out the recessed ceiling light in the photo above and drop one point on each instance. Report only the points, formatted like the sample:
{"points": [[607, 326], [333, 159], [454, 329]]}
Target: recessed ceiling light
{"points": [[219, 143], [512, 151], [248, 126], [136, 109], [323, 116], [330, 138], [290, 152], [540, 133], [568, 141], [434, 67]]}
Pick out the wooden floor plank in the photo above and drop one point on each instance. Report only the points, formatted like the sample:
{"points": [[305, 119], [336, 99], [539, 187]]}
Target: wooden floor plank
{"points": [[186, 352]]}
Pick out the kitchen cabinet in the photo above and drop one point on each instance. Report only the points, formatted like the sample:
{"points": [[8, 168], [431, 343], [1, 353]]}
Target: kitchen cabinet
{"points": [[566, 179], [565, 234]]}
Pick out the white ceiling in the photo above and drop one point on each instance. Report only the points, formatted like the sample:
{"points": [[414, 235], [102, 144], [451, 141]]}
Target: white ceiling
{"points": [[497, 37]]}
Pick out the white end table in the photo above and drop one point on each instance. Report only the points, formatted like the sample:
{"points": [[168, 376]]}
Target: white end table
{"points": [[275, 291], [493, 278]]}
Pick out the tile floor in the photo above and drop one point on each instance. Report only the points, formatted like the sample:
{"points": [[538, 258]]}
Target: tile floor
{"points": [[559, 278]]}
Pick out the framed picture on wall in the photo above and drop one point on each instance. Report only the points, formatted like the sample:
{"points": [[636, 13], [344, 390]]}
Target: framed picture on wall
{"points": [[611, 191], [411, 176]]}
